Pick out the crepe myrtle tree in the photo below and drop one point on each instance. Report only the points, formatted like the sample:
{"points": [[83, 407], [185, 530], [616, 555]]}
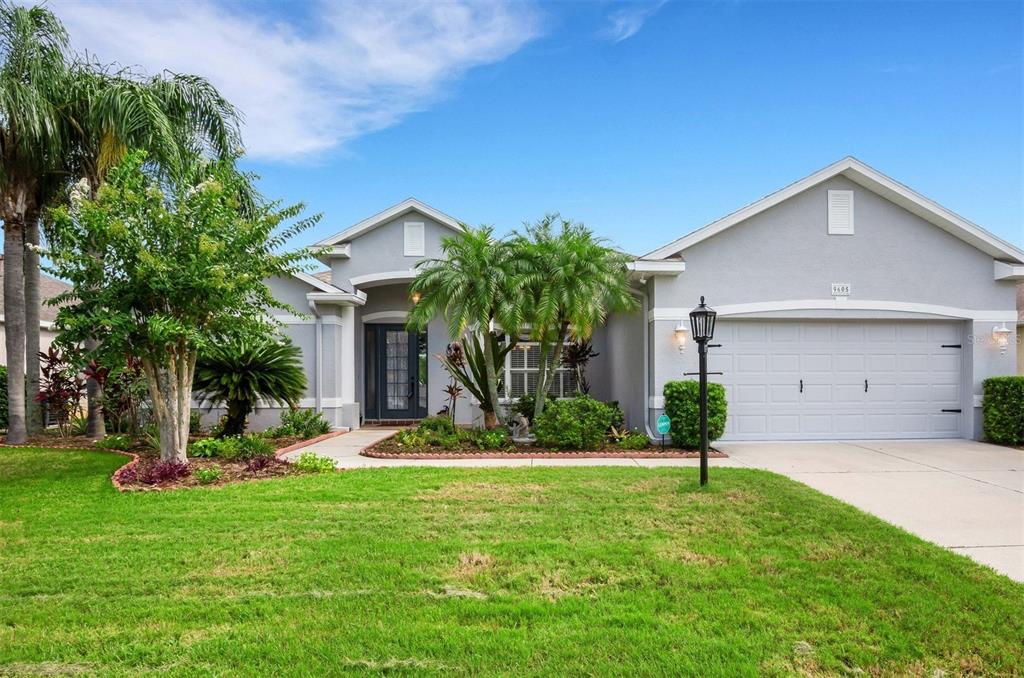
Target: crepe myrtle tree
{"points": [[160, 272]]}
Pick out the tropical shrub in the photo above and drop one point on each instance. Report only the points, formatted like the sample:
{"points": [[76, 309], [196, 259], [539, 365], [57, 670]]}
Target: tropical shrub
{"points": [[439, 425], [634, 440], [682, 405], [490, 438], [206, 476], [156, 472], [60, 388], [574, 424], [195, 422], [1002, 410], [115, 441], [205, 448], [310, 462], [125, 395], [302, 423], [259, 463], [243, 371]]}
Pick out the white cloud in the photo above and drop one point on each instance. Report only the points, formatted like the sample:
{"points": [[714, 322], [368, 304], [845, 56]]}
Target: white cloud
{"points": [[345, 71], [627, 22]]}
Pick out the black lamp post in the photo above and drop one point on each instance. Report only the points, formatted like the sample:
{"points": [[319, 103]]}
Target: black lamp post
{"points": [[702, 328]]}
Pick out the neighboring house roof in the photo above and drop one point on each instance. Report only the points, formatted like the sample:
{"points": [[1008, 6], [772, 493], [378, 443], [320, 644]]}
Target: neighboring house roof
{"points": [[391, 213], [48, 288], [324, 275], [873, 180]]}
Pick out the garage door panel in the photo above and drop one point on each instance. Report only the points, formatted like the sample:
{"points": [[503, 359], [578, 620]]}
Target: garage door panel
{"points": [[911, 378]]}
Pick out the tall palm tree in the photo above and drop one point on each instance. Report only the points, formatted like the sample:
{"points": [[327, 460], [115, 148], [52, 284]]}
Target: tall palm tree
{"points": [[240, 373], [573, 281], [177, 119], [474, 288], [32, 67]]}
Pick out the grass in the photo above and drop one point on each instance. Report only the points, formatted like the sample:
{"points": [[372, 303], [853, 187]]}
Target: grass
{"points": [[557, 571]]}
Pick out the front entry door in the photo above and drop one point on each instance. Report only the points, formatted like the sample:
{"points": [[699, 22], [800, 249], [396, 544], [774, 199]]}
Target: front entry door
{"points": [[400, 372]]}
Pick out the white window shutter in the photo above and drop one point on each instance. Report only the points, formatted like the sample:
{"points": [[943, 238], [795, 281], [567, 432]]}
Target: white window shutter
{"points": [[840, 212], [415, 245]]}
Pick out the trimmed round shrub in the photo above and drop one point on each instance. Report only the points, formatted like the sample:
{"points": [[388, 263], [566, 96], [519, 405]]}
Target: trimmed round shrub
{"points": [[574, 424], [1002, 410], [439, 424], [682, 405]]}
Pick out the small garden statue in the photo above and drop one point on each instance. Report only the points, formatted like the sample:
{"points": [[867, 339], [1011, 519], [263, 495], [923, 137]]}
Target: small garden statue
{"points": [[520, 426]]}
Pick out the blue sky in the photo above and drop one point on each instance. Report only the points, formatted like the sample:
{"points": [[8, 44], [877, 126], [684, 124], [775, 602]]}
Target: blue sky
{"points": [[642, 120]]}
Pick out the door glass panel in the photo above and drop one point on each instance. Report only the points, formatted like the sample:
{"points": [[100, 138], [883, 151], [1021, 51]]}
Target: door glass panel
{"points": [[396, 383], [421, 367]]}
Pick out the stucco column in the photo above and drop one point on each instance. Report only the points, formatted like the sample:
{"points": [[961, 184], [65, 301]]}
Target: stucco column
{"points": [[348, 354]]}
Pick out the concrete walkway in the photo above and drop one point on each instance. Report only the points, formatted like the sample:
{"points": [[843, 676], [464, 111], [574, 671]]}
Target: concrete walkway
{"points": [[960, 494]]}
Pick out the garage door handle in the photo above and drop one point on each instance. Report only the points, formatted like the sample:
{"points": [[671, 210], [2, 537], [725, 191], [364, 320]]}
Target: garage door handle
{"points": [[956, 410], [801, 385], [865, 385]]}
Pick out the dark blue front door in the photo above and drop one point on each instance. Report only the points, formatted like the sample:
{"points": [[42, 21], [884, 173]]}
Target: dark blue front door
{"points": [[396, 387]]}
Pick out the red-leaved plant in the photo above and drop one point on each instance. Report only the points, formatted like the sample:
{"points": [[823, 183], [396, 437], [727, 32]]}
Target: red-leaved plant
{"points": [[61, 388]]}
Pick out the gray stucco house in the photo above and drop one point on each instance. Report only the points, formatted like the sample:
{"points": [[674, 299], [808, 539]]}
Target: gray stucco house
{"points": [[849, 307]]}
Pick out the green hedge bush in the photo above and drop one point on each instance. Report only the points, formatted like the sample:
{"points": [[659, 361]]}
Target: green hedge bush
{"points": [[1002, 409], [682, 405], [574, 424]]}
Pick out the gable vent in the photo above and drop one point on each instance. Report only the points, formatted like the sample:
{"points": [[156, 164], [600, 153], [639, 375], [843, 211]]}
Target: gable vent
{"points": [[840, 212], [414, 239]]}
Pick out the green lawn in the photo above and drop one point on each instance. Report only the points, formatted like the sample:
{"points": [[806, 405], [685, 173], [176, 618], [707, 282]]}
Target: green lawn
{"points": [[592, 571]]}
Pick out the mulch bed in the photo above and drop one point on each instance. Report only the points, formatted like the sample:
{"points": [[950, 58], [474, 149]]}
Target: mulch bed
{"points": [[389, 449], [231, 472]]}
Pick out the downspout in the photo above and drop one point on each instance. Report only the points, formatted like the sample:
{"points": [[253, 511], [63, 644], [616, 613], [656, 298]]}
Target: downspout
{"points": [[647, 365], [319, 371]]}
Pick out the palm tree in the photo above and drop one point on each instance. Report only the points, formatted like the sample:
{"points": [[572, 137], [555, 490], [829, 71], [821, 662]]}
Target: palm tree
{"points": [[573, 281], [240, 373], [177, 119], [32, 68], [474, 288]]}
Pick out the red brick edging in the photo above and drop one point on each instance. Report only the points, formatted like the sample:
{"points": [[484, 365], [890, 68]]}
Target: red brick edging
{"points": [[625, 454], [115, 478], [303, 443]]}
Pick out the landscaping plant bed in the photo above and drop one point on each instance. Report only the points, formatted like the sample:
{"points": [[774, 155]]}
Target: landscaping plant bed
{"points": [[389, 449], [139, 475]]}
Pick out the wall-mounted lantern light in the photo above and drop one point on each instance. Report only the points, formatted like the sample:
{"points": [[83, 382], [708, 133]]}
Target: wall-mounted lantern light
{"points": [[680, 332], [415, 297], [1001, 335]]}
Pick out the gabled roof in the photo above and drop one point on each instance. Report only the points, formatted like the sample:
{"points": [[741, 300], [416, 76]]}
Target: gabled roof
{"points": [[406, 206], [873, 180]]}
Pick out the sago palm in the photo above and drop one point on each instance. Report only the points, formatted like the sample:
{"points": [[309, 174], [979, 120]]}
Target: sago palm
{"points": [[474, 288], [32, 70], [239, 374], [572, 280]]}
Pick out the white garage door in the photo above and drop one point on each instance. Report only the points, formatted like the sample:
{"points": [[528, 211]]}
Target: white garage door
{"points": [[788, 380]]}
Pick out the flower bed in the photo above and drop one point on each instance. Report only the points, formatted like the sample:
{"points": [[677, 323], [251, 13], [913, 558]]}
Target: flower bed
{"points": [[148, 473], [437, 438]]}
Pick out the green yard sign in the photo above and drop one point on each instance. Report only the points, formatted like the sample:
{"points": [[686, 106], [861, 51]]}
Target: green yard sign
{"points": [[664, 424]]}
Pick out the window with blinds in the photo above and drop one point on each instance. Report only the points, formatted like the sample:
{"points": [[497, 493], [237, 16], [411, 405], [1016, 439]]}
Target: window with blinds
{"points": [[522, 369]]}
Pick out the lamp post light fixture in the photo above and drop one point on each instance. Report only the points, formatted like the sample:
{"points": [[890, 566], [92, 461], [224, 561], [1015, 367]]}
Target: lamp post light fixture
{"points": [[680, 332], [702, 326], [1001, 335]]}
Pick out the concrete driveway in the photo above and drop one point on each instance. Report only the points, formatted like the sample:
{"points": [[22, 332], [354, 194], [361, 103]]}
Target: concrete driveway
{"points": [[963, 495]]}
